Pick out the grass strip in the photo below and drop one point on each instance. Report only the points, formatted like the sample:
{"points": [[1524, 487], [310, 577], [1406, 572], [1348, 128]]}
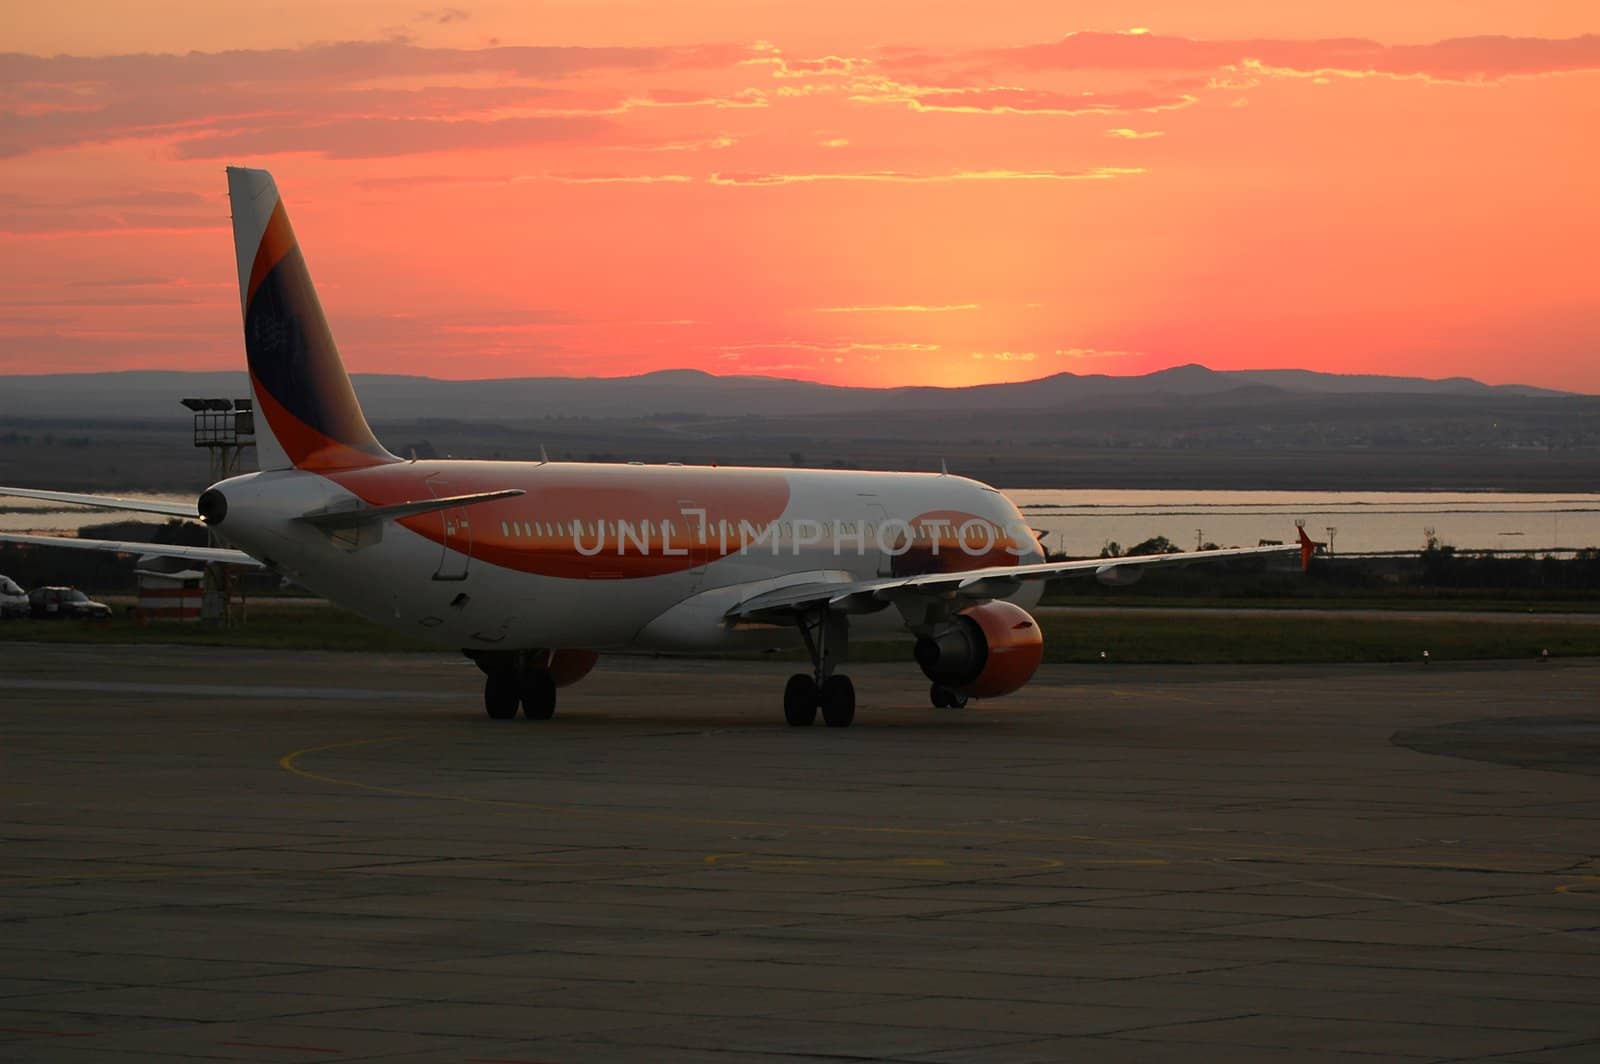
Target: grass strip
{"points": [[1124, 639]]}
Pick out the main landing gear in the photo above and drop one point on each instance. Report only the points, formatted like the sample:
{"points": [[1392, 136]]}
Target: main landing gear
{"points": [[826, 638], [512, 680], [945, 697]]}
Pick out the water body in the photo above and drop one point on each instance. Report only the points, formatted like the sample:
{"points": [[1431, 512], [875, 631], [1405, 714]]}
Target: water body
{"points": [[1082, 521], [31, 515]]}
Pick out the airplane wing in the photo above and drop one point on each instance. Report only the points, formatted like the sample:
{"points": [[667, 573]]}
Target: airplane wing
{"points": [[108, 502], [868, 596], [134, 546]]}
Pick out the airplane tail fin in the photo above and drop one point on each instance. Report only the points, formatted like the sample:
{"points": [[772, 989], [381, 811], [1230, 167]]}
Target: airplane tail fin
{"points": [[307, 415], [1308, 546]]}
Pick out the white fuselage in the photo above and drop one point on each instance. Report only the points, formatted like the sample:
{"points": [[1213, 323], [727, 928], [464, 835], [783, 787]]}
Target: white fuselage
{"points": [[611, 557]]}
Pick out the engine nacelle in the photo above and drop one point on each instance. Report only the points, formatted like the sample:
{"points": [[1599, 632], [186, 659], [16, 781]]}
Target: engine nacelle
{"points": [[567, 667], [1118, 575], [985, 652]]}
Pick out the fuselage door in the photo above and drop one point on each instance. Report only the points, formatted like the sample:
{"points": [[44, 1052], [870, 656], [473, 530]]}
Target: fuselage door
{"points": [[878, 535], [692, 532]]}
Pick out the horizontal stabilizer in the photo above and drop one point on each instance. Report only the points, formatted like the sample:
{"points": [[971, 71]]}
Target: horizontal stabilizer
{"points": [[331, 519], [109, 502], [133, 546]]}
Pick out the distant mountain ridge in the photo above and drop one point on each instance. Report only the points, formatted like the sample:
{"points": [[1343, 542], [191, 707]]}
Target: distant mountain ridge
{"points": [[154, 394]]}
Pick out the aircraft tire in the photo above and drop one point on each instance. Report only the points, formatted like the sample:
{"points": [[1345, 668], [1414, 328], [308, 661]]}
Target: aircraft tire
{"points": [[939, 695], [838, 698], [500, 694], [537, 691], [800, 701]]}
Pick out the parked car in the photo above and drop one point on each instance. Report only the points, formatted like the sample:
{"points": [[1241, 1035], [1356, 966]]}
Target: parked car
{"points": [[13, 600], [52, 602]]}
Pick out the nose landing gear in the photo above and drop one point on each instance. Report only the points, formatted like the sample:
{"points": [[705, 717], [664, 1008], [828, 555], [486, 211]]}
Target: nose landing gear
{"points": [[537, 691], [513, 679], [500, 694]]}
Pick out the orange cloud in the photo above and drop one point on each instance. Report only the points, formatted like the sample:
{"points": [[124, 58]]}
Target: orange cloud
{"points": [[620, 179], [1460, 59], [334, 94], [131, 210], [1089, 352], [366, 138], [910, 308], [753, 179], [1418, 207], [346, 62], [841, 347], [1019, 101], [823, 66]]}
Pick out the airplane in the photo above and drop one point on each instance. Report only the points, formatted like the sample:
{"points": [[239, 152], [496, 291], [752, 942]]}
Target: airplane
{"points": [[533, 569]]}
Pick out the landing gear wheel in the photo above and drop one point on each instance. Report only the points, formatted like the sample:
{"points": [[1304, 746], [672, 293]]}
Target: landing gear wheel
{"points": [[500, 694], [944, 697], [838, 698], [800, 698], [538, 694]]}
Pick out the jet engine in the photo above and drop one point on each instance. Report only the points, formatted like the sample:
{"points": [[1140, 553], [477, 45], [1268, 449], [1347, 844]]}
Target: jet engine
{"points": [[984, 652]]}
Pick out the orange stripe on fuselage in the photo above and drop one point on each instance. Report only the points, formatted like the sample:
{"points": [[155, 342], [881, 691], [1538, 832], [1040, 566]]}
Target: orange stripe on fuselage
{"points": [[561, 495], [955, 541], [277, 240], [306, 447]]}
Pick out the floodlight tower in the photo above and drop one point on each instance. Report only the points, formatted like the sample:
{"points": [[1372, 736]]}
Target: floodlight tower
{"points": [[224, 427]]}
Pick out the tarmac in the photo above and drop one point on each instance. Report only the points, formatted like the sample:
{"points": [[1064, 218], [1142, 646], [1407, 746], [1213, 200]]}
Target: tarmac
{"points": [[277, 856]]}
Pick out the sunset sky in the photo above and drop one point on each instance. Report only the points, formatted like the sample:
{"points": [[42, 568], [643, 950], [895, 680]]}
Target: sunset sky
{"points": [[867, 193]]}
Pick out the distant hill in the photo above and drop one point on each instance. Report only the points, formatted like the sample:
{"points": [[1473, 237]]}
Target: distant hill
{"points": [[153, 394], [1187, 427]]}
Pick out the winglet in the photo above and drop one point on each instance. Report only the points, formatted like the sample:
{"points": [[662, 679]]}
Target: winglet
{"points": [[1308, 547]]}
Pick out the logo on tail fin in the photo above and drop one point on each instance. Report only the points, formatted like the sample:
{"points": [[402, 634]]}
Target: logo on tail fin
{"points": [[301, 387]]}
